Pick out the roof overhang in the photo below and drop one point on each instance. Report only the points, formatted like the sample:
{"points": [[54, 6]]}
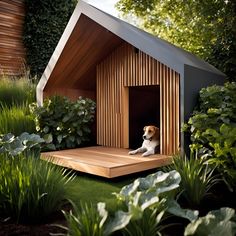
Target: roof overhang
{"points": [[90, 36]]}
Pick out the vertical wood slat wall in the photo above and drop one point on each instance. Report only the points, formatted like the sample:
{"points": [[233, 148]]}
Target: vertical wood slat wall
{"points": [[112, 107], [12, 52], [124, 68]]}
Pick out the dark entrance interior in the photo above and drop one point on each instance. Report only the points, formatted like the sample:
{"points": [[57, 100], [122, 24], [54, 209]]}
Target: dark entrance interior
{"points": [[144, 109]]}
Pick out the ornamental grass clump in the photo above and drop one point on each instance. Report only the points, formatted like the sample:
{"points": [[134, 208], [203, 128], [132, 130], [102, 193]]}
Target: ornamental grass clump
{"points": [[197, 178], [85, 220], [31, 189], [16, 92], [16, 120]]}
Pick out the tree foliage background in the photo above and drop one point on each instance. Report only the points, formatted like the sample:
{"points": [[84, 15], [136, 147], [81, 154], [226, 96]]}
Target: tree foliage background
{"points": [[205, 28], [44, 24]]}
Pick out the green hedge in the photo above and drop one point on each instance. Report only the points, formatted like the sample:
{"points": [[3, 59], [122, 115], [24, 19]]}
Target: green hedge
{"points": [[44, 24]]}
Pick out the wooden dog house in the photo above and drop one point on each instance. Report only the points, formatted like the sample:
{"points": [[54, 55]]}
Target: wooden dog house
{"points": [[134, 77]]}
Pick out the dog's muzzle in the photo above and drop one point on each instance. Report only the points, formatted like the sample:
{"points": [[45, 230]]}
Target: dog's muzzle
{"points": [[145, 138]]}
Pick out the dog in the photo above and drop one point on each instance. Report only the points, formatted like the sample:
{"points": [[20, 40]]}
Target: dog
{"points": [[151, 140]]}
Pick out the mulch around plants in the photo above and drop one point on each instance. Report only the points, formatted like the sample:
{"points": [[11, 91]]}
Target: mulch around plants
{"points": [[10, 228]]}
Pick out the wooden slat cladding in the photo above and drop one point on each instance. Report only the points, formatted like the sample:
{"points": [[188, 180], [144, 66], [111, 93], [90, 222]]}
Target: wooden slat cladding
{"points": [[112, 96], [169, 111], [127, 67], [140, 68], [12, 52]]}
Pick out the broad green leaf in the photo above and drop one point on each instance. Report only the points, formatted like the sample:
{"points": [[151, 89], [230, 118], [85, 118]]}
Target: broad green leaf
{"points": [[174, 208], [215, 223], [101, 207], [120, 220], [59, 138], [48, 138], [7, 138]]}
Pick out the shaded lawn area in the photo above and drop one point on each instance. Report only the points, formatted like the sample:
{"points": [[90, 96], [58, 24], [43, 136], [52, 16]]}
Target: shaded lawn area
{"points": [[93, 189]]}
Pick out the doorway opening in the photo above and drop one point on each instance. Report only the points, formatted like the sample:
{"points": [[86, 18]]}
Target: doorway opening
{"points": [[144, 109]]}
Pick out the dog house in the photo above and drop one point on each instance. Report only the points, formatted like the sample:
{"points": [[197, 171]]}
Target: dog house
{"points": [[135, 78]]}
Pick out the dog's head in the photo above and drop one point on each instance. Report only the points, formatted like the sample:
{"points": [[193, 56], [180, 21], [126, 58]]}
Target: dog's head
{"points": [[151, 132]]}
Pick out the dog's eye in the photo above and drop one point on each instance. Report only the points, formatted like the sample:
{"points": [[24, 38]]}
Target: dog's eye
{"points": [[149, 131]]}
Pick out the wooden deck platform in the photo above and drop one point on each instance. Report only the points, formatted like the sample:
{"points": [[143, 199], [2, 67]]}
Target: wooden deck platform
{"points": [[105, 161]]}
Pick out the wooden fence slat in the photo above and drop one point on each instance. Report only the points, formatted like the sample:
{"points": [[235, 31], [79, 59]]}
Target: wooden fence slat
{"points": [[12, 51]]}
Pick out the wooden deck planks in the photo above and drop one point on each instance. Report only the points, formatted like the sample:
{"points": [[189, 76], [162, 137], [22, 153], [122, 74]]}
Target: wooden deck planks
{"points": [[105, 161]]}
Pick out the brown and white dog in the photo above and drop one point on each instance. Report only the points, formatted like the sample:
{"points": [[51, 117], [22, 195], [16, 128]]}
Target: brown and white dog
{"points": [[151, 139]]}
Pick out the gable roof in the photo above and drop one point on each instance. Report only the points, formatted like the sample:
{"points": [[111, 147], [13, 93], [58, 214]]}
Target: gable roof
{"points": [[92, 34]]}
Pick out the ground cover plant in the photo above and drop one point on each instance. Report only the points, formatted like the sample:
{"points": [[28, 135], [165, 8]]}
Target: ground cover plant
{"points": [[66, 123]]}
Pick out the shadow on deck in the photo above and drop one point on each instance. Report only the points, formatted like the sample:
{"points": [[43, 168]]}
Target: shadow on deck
{"points": [[105, 161]]}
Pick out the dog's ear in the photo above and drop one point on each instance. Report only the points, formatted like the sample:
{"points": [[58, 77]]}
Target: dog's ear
{"points": [[144, 128]]}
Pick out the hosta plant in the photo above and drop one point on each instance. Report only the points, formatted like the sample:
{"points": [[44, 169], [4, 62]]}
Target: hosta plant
{"points": [[154, 192], [31, 189], [215, 223], [65, 122], [145, 201], [27, 143]]}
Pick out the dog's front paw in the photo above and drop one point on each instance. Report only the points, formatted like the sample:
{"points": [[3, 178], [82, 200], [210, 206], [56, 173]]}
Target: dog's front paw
{"points": [[132, 152], [146, 154]]}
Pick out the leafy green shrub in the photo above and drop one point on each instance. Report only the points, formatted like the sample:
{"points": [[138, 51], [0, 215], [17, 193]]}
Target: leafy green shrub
{"points": [[17, 92], [213, 126], [66, 122], [16, 120], [31, 189], [197, 178], [215, 223], [43, 28]]}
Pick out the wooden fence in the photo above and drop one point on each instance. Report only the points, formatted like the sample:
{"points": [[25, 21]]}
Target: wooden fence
{"points": [[12, 52]]}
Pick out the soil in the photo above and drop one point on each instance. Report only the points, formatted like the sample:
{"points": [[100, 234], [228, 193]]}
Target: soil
{"points": [[10, 228]]}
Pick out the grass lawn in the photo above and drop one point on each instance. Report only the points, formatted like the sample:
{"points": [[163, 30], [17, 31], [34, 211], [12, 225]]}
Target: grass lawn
{"points": [[94, 189]]}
